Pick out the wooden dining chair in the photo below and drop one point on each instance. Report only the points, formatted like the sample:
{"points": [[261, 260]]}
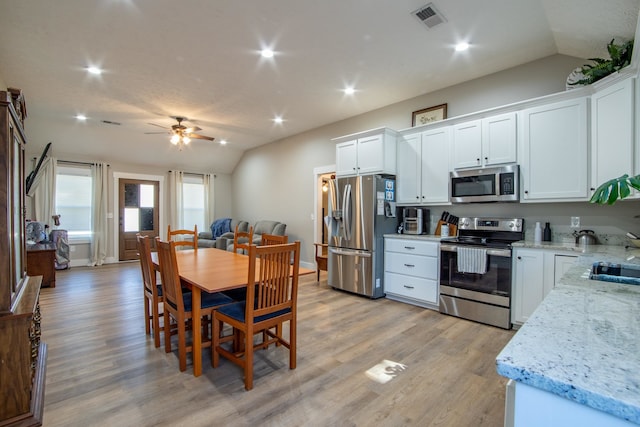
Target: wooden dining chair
{"points": [[184, 239], [273, 239], [272, 300], [152, 289], [242, 240], [321, 258], [177, 304]]}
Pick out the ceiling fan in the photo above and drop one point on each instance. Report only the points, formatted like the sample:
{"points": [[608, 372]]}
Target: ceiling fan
{"points": [[181, 135]]}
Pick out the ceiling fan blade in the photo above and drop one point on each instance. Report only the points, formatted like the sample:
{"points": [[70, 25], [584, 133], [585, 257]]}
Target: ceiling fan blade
{"points": [[160, 126], [196, 136]]}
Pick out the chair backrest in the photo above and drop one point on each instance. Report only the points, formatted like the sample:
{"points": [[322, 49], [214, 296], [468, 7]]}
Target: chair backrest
{"points": [[191, 235], [276, 279], [171, 287], [242, 240], [143, 244], [272, 239]]}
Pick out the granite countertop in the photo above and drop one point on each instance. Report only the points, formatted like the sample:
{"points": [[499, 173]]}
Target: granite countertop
{"points": [[429, 237], [583, 341]]}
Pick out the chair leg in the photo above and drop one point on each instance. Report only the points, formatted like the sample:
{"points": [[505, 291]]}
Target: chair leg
{"points": [[147, 326], [167, 331], [248, 361], [318, 275], [217, 328], [292, 344], [156, 324], [182, 345]]}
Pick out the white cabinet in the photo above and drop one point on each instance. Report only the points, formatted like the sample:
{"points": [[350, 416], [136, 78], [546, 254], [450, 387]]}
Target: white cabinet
{"points": [[423, 167], [366, 153], [527, 286], [612, 132], [411, 271], [553, 152], [535, 273], [485, 142]]}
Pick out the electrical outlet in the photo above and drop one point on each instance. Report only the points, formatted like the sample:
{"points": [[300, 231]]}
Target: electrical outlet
{"points": [[575, 222]]}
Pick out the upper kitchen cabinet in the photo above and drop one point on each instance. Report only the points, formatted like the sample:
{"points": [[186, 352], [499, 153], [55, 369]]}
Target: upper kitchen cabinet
{"points": [[423, 167], [485, 142], [366, 153], [553, 152], [612, 132]]}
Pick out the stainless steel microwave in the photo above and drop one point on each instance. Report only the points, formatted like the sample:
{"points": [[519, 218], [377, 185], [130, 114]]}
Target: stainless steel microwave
{"points": [[499, 184]]}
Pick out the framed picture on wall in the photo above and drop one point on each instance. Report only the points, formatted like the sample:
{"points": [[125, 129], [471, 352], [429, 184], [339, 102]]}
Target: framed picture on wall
{"points": [[429, 115]]}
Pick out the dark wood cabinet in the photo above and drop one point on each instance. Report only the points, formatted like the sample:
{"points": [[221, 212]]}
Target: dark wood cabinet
{"points": [[22, 354], [41, 260]]}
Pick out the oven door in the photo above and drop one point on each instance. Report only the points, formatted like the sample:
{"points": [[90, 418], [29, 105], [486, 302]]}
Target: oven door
{"points": [[493, 287]]}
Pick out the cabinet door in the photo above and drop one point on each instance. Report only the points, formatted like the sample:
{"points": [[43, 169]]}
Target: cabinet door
{"points": [[347, 158], [499, 139], [554, 152], [370, 154], [562, 263], [409, 163], [435, 167], [467, 140], [528, 285], [612, 139]]}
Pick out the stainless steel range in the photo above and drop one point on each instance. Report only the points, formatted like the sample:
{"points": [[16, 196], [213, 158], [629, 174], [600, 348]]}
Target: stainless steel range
{"points": [[475, 270]]}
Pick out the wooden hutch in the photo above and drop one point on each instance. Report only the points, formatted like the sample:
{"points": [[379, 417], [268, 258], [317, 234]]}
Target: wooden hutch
{"points": [[22, 355]]}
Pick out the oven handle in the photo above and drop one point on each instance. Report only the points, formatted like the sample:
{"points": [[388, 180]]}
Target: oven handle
{"points": [[505, 253]]}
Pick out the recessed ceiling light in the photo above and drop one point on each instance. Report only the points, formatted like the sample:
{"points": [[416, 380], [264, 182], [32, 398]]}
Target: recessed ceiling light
{"points": [[278, 120], [266, 53], [349, 90], [223, 142], [94, 70], [81, 117], [462, 46]]}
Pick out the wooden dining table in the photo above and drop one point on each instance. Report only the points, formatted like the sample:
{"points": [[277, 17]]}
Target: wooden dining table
{"points": [[209, 270]]}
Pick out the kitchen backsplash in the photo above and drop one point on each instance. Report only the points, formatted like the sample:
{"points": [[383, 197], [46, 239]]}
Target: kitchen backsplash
{"points": [[609, 223]]}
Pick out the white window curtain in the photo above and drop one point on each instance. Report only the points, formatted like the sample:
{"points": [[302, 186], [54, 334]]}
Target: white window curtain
{"points": [[98, 247], [175, 199], [209, 199], [43, 191]]}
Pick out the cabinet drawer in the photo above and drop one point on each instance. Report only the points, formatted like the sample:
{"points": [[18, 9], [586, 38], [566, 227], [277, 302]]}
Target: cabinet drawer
{"points": [[415, 247], [412, 265], [411, 287]]}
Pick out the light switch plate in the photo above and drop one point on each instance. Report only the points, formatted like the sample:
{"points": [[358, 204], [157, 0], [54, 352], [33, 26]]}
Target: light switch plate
{"points": [[575, 222]]}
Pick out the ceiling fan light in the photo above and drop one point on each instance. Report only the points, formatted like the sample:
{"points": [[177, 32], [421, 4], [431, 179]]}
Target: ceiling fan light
{"points": [[186, 139], [175, 139]]}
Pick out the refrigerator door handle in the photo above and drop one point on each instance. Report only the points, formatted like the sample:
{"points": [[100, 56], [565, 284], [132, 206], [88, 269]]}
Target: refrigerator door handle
{"points": [[346, 206], [350, 252]]}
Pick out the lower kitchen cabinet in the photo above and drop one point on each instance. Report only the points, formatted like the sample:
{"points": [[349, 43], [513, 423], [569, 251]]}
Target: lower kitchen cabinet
{"points": [[411, 270], [535, 274]]}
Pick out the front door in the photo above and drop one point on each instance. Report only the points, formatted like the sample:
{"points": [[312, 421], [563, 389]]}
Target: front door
{"points": [[138, 213]]}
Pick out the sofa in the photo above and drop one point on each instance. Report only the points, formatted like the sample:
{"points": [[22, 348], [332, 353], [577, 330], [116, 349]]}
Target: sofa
{"points": [[260, 228], [207, 240]]}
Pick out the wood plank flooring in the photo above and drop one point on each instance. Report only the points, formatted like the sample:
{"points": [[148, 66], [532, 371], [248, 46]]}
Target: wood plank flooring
{"points": [[103, 370]]}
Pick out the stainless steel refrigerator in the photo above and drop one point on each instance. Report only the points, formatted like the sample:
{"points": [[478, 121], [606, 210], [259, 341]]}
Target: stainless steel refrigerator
{"points": [[361, 210]]}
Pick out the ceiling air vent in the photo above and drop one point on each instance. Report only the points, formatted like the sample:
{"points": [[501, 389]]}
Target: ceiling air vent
{"points": [[429, 15]]}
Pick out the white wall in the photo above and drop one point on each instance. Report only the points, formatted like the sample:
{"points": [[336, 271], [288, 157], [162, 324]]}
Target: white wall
{"points": [[276, 181]]}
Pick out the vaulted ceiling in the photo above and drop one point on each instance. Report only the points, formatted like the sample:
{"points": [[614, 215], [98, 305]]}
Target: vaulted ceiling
{"points": [[201, 59]]}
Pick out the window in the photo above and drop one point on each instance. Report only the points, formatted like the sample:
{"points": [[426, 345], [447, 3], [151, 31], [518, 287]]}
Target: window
{"points": [[193, 209], [73, 200]]}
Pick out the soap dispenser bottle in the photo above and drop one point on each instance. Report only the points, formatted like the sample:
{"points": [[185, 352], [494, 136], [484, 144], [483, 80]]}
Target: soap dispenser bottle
{"points": [[537, 234], [546, 233]]}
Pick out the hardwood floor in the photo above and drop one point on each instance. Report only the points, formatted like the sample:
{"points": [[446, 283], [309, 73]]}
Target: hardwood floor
{"points": [[103, 370]]}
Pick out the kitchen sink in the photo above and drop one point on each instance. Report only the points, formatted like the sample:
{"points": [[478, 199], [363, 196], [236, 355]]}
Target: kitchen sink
{"points": [[617, 273]]}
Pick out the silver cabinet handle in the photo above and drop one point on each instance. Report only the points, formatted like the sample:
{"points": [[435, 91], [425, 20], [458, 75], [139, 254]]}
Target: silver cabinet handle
{"points": [[410, 247], [409, 265], [408, 287]]}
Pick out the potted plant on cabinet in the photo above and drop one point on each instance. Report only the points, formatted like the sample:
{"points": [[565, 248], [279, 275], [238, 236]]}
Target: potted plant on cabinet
{"points": [[620, 57]]}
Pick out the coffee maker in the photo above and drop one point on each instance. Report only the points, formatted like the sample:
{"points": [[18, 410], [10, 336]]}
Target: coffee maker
{"points": [[413, 220]]}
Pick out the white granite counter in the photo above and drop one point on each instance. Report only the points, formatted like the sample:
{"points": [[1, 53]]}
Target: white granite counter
{"points": [[583, 341], [430, 237]]}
